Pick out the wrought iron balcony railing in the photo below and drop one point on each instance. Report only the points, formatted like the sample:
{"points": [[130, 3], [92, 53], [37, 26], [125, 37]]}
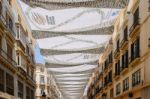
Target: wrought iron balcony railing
{"points": [[7, 57]]}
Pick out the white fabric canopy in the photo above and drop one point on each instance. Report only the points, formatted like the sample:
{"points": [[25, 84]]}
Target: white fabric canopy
{"points": [[73, 42], [90, 18], [73, 69], [72, 59], [71, 39]]}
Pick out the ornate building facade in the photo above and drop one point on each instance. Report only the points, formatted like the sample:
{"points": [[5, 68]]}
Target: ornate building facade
{"points": [[126, 59], [17, 64], [46, 87]]}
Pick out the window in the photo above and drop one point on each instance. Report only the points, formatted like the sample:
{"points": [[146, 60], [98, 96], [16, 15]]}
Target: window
{"points": [[18, 59], [117, 45], [118, 89], [106, 64], [9, 22], [135, 20], [42, 80], [110, 57], [135, 49], [32, 94], [122, 62], [136, 16], [27, 93], [126, 84], [9, 84], [20, 90], [110, 76], [9, 52], [18, 32], [105, 81], [136, 78], [125, 36], [32, 74], [2, 80], [112, 93], [117, 68], [125, 61]]}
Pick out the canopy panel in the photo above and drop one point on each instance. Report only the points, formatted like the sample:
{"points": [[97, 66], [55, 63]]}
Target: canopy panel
{"points": [[53, 21]]}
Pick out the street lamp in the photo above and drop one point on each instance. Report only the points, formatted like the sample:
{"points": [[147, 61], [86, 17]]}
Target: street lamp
{"points": [[43, 95]]}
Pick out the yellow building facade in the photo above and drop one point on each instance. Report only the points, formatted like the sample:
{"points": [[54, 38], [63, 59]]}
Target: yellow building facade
{"points": [[46, 87], [130, 56], [17, 64]]}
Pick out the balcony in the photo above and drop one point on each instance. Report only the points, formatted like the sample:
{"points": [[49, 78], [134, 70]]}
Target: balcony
{"points": [[136, 78], [125, 63], [29, 78], [9, 26], [116, 52], [117, 93], [110, 82], [109, 78], [7, 58], [134, 27], [135, 56], [136, 23], [22, 70], [6, 25], [117, 70], [20, 46], [29, 56], [106, 65], [2, 20], [116, 75], [125, 88], [21, 34], [135, 83], [105, 82], [124, 41]]}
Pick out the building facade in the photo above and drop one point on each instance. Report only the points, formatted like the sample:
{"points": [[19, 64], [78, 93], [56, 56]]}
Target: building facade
{"points": [[125, 72], [16, 54], [46, 87]]}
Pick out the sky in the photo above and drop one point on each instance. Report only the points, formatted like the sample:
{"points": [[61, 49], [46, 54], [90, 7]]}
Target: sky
{"points": [[38, 56]]}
